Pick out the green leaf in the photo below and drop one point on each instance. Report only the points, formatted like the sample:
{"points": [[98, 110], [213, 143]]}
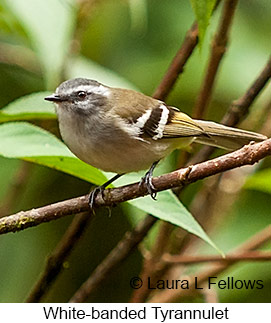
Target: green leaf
{"points": [[170, 209], [25, 141], [28, 142], [203, 10], [49, 25], [167, 208], [260, 181], [83, 67], [32, 106]]}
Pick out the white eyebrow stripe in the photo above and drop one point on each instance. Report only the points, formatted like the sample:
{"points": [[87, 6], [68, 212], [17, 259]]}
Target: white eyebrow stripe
{"points": [[162, 123], [100, 90], [97, 89]]}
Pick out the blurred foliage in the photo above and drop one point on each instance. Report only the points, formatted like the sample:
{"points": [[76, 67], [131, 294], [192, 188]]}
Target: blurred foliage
{"points": [[122, 44], [203, 12]]}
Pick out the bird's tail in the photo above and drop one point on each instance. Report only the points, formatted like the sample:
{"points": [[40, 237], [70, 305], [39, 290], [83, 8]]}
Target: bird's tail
{"points": [[226, 137]]}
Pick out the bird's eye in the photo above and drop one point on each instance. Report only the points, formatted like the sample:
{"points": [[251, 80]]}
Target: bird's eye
{"points": [[81, 94]]}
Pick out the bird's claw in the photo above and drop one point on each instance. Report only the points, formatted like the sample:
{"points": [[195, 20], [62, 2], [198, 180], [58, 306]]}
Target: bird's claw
{"points": [[93, 194], [100, 189], [147, 180]]}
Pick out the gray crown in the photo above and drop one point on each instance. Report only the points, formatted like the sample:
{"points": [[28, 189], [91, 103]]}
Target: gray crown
{"points": [[74, 83]]}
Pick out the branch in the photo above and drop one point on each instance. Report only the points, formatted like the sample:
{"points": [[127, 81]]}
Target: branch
{"points": [[231, 258], [218, 50], [248, 155], [253, 243], [177, 65], [115, 257]]}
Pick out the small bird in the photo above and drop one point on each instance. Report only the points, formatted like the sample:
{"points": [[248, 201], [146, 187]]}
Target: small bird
{"points": [[122, 131]]}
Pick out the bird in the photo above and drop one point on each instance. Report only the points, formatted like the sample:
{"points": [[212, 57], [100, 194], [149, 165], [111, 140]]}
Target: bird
{"points": [[121, 130]]}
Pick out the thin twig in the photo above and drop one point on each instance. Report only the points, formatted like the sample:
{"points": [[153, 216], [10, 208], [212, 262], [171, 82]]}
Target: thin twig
{"points": [[219, 46], [115, 257], [248, 155], [246, 256], [54, 263], [252, 243], [177, 65]]}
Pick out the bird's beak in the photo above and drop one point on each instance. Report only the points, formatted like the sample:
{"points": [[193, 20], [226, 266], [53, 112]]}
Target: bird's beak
{"points": [[54, 98]]}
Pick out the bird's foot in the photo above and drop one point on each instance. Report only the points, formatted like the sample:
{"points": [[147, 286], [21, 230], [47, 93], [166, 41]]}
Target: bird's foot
{"points": [[100, 189], [147, 179], [93, 194]]}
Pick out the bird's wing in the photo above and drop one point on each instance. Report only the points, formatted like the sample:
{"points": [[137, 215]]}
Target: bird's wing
{"points": [[181, 125], [152, 118]]}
